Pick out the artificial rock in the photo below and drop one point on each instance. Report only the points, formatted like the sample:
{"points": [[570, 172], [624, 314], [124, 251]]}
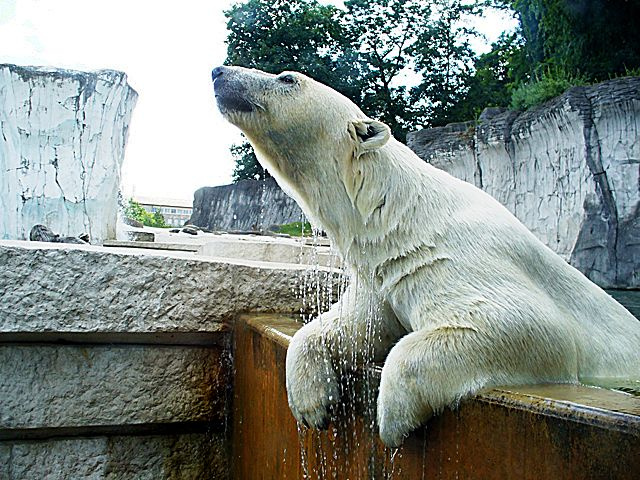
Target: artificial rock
{"points": [[62, 142], [568, 169], [248, 205]]}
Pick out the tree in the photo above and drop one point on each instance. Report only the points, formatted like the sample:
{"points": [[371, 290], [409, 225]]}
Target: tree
{"points": [[247, 166], [594, 39], [279, 35], [445, 60], [157, 220], [366, 52], [384, 33], [496, 75], [137, 212]]}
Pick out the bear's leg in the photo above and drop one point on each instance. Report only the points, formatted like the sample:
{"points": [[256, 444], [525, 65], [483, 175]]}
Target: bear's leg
{"points": [[434, 368], [352, 330]]}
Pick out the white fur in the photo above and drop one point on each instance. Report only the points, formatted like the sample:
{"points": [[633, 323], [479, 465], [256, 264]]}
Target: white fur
{"points": [[471, 297]]}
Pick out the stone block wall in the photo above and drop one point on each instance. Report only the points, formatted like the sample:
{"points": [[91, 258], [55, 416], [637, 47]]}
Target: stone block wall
{"points": [[115, 362]]}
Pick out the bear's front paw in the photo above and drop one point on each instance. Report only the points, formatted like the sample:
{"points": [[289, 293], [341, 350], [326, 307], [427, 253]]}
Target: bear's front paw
{"points": [[399, 413], [312, 386], [311, 392]]}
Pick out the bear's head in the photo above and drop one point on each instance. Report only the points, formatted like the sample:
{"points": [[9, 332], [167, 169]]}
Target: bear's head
{"points": [[301, 130]]}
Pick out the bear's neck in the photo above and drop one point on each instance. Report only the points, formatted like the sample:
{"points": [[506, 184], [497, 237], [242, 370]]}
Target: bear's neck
{"points": [[400, 191]]}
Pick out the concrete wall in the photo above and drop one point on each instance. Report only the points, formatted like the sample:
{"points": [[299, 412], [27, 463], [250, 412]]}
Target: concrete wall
{"points": [[115, 362], [63, 135], [569, 170]]}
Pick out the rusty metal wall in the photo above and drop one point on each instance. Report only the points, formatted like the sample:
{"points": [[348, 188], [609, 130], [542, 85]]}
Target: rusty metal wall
{"points": [[553, 432]]}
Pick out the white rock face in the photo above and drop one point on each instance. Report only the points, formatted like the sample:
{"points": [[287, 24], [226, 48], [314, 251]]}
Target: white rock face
{"points": [[569, 170], [62, 140]]}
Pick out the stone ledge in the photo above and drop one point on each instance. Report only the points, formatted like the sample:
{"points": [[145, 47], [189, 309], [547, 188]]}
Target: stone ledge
{"points": [[49, 386], [192, 455], [88, 289], [283, 250]]}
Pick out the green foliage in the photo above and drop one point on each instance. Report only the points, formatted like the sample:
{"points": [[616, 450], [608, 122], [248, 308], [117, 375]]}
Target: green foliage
{"points": [[541, 88], [496, 75], [137, 212], [384, 33], [559, 44], [362, 52], [296, 229], [247, 166], [593, 38], [157, 220], [369, 49], [279, 35], [444, 58], [631, 72]]}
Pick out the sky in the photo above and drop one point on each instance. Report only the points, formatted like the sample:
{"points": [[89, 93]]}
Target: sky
{"points": [[178, 141]]}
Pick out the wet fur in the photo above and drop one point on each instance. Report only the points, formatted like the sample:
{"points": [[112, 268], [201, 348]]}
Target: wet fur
{"points": [[469, 298]]}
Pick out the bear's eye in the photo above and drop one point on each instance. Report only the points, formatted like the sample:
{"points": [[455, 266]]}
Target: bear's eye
{"points": [[287, 79]]}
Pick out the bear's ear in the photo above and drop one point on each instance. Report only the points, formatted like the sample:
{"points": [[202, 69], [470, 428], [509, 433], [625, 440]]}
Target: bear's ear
{"points": [[368, 134]]}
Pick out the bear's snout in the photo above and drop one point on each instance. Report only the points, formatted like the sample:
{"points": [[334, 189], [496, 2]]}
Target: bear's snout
{"points": [[231, 94], [216, 72]]}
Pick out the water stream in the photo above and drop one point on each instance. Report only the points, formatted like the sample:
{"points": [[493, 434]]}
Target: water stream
{"points": [[353, 435]]}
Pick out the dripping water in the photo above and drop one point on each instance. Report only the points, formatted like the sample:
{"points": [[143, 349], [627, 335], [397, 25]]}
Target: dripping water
{"points": [[358, 395], [262, 204]]}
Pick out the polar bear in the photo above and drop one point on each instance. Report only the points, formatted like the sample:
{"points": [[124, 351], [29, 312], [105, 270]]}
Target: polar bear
{"points": [[467, 298]]}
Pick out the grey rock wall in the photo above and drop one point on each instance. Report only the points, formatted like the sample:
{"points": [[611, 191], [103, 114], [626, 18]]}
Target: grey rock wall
{"points": [[62, 140], [140, 457], [115, 363], [569, 170], [246, 205]]}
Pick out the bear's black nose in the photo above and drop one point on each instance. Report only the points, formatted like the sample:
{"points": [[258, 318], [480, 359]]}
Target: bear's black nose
{"points": [[216, 72]]}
